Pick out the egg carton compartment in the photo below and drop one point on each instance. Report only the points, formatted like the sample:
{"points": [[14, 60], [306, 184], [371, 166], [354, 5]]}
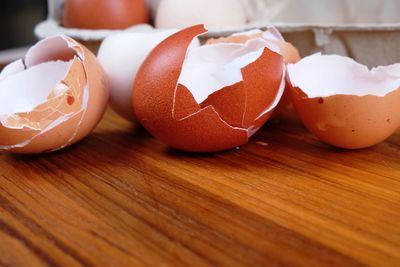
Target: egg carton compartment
{"points": [[366, 30]]}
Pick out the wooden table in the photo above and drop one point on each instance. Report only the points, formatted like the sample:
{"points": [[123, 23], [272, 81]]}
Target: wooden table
{"points": [[121, 198]]}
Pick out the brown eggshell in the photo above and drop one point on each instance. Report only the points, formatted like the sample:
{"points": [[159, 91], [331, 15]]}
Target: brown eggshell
{"points": [[169, 111], [44, 115], [104, 14], [291, 55], [287, 50], [83, 104], [270, 65], [233, 113], [98, 92], [347, 121]]}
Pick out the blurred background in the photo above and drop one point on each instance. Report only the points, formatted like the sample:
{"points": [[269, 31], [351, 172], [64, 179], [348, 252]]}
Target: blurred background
{"points": [[18, 18], [351, 28]]}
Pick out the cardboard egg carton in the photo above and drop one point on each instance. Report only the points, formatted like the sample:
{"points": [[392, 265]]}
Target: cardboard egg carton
{"points": [[366, 30]]}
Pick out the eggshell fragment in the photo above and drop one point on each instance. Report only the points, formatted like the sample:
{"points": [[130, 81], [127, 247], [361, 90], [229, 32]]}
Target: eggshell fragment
{"points": [[213, 13], [344, 103], [121, 55], [273, 37], [208, 98], [104, 14], [51, 99]]}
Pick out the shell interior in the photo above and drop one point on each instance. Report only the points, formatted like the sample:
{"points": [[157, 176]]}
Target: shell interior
{"points": [[25, 90], [210, 68], [327, 75]]}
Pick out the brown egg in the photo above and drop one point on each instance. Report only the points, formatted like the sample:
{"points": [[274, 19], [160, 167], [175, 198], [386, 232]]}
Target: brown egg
{"points": [[104, 14], [345, 104], [207, 98], [52, 98]]}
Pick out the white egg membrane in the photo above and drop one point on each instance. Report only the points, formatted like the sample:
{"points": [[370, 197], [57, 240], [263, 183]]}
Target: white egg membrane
{"points": [[327, 75], [26, 84], [210, 68]]}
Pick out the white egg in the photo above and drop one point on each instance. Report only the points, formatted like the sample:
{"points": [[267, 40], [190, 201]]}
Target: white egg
{"points": [[121, 56], [211, 13]]}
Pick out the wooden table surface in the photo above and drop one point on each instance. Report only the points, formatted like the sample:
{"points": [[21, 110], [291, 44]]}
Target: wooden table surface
{"points": [[121, 198]]}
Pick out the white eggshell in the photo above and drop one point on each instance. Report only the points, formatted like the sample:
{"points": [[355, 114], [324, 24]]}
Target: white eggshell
{"points": [[211, 13], [121, 56]]}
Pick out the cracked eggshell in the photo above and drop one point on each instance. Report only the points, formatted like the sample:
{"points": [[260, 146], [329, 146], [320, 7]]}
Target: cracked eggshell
{"points": [[52, 98], [207, 98], [121, 55], [344, 103], [274, 38], [104, 14]]}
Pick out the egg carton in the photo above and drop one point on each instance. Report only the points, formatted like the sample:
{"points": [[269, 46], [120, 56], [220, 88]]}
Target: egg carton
{"points": [[366, 30]]}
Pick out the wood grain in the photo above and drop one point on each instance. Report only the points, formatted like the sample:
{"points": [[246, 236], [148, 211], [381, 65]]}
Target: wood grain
{"points": [[121, 198]]}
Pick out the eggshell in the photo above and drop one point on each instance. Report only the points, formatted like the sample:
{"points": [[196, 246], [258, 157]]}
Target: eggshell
{"points": [[213, 13], [273, 36], [47, 119], [345, 104], [104, 14], [192, 120], [121, 55]]}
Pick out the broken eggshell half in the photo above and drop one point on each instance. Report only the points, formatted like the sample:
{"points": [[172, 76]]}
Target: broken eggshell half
{"points": [[343, 102], [52, 98], [208, 98]]}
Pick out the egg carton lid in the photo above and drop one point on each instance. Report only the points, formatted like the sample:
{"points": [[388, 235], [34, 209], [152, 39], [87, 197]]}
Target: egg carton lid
{"points": [[339, 15]]}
